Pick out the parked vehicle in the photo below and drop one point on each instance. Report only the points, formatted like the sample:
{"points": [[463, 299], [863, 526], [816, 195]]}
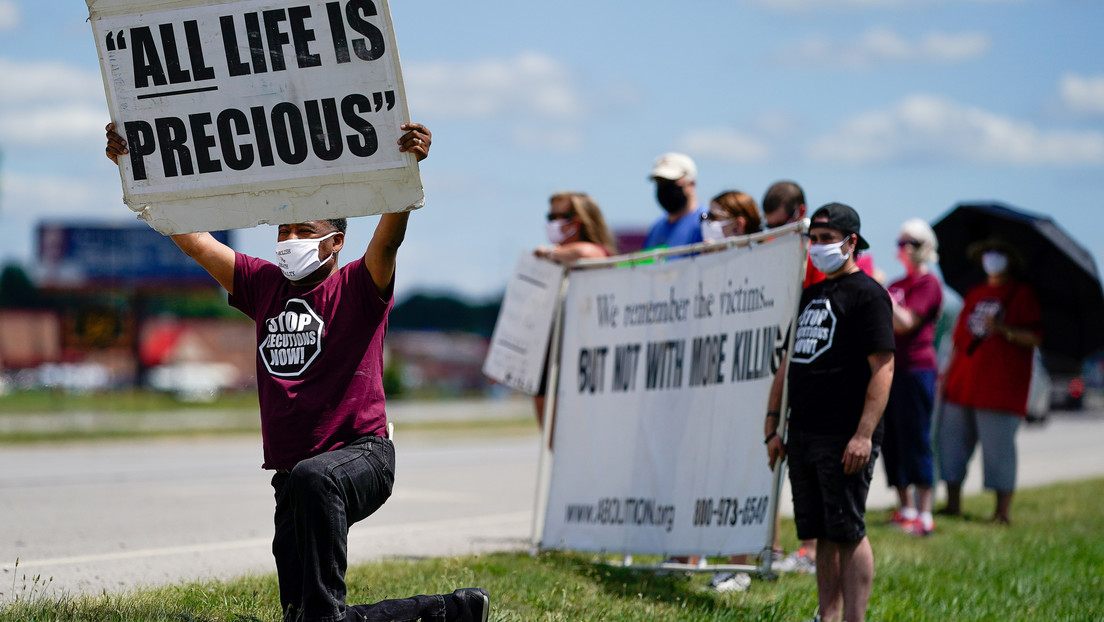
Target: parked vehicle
{"points": [[1067, 392]]}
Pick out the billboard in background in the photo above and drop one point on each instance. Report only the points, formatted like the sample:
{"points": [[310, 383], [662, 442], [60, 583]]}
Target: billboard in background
{"points": [[76, 255]]}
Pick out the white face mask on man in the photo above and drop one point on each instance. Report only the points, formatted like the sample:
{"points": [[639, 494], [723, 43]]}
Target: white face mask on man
{"points": [[298, 258], [828, 257]]}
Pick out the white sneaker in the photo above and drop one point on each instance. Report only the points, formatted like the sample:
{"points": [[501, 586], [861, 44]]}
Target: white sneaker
{"points": [[731, 582], [798, 561]]}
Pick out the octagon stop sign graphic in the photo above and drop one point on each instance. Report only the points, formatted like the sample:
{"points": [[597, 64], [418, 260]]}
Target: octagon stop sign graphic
{"points": [[292, 341], [815, 328]]}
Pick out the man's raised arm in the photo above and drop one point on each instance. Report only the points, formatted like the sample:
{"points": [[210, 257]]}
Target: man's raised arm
{"points": [[391, 229], [214, 256]]}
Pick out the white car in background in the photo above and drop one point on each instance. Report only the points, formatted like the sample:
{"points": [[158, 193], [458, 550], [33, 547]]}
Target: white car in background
{"points": [[194, 382]]}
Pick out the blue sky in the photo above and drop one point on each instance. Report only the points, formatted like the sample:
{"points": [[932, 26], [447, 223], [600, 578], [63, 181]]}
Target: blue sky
{"points": [[901, 108]]}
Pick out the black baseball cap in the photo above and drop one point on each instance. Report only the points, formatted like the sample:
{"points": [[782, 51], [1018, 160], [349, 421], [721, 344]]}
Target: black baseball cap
{"points": [[841, 218]]}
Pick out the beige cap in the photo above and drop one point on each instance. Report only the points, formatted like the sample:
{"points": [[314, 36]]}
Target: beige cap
{"points": [[674, 166]]}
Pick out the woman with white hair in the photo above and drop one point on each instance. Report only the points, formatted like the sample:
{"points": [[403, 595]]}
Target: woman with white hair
{"points": [[917, 300]]}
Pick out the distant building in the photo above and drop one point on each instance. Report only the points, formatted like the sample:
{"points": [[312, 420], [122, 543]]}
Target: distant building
{"points": [[448, 363]]}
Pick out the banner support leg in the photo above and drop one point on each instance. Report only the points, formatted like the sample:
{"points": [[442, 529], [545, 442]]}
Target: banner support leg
{"points": [[540, 502]]}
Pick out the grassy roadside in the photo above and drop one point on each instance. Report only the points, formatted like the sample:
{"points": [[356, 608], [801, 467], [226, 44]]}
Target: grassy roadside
{"points": [[43, 416], [126, 401], [139, 426], [1049, 565]]}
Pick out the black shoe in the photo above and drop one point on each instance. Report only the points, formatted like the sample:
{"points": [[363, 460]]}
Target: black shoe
{"points": [[474, 604]]}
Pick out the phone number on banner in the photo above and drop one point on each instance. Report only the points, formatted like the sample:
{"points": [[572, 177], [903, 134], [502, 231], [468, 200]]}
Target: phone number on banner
{"points": [[728, 511]]}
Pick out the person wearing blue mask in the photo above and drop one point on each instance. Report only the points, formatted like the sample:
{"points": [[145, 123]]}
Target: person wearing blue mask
{"points": [[839, 376], [320, 330]]}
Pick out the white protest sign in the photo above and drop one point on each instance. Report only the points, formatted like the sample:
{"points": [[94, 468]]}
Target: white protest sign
{"points": [[666, 371], [519, 343], [238, 113]]}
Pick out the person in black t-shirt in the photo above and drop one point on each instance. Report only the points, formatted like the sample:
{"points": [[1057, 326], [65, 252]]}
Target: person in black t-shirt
{"points": [[840, 372]]}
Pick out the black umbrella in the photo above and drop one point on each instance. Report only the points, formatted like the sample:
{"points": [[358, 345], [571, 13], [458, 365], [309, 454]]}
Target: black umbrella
{"points": [[1060, 270]]}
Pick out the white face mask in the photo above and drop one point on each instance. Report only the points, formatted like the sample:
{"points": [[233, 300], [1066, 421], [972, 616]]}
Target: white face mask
{"points": [[556, 233], [828, 257], [298, 258], [994, 262], [713, 230]]}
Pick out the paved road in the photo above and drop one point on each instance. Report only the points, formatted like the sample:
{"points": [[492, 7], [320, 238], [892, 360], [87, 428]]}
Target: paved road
{"points": [[119, 515]]}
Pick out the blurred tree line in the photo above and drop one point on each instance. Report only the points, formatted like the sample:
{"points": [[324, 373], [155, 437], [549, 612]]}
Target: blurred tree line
{"points": [[443, 312]]}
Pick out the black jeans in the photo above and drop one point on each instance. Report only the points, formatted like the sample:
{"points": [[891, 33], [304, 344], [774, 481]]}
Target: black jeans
{"points": [[316, 502]]}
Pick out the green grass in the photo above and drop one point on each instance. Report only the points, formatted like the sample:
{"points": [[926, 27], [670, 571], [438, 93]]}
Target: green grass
{"points": [[47, 416], [1049, 565], [131, 426], [123, 401]]}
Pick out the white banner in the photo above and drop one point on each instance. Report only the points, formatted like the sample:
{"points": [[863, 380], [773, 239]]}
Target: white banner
{"points": [[519, 343], [238, 113], [665, 375]]}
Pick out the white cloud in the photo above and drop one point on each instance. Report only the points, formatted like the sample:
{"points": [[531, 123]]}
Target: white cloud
{"points": [[38, 81], [930, 128], [777, 123], [881, 45], [723, 144], [52, 105], [1083, 93], [54, 195], [9, 15], [71, 124], [530, 84]]}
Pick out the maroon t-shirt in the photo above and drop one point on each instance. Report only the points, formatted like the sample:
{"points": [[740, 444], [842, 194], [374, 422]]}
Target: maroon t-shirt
{"points": [[923, 295], [319, 357]]}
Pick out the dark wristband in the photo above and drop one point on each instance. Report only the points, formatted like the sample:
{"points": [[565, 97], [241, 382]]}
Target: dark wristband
{"points": [[769, 437], [773, 414]]}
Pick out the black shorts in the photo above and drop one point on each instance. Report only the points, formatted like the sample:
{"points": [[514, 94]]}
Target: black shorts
{"points": [[827, 503]]}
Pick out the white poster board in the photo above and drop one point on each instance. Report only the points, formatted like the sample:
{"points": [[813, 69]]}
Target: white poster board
{"points": [[519, 343], [666, 371], [239, 113]]}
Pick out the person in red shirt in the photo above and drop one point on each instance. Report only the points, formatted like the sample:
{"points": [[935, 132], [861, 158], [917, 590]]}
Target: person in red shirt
{"points": [[985, 385]]}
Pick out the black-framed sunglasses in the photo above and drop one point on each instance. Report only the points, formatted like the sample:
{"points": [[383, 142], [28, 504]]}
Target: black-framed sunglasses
{"points": [[553, 217], [911, 243]]}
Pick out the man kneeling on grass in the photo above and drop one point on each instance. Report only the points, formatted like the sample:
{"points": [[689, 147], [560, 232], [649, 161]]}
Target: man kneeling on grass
{"points": [[320, 332]]}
